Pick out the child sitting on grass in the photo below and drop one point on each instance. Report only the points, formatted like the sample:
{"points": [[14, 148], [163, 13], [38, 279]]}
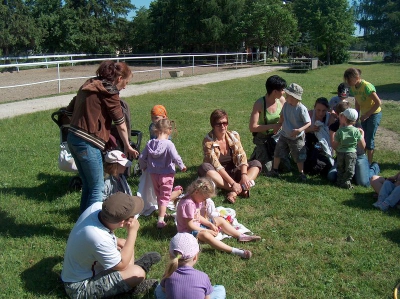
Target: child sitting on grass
{"points": [[189, 219], [295, 119], [180, 279], [159, 158], [345, 143], [115, 164]]}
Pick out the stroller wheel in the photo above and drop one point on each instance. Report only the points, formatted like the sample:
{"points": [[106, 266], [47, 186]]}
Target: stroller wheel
{"points": [[75, 184]]}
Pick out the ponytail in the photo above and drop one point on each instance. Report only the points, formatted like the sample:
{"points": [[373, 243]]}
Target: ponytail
{"points": [[172, 266]]}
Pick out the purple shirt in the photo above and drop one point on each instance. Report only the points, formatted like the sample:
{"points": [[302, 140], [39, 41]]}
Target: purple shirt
{"points": [[188, 209], [187, 283], [160, 156]]}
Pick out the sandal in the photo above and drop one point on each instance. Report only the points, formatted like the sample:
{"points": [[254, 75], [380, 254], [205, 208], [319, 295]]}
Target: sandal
{"points": [[231, 197], [245, 194]]}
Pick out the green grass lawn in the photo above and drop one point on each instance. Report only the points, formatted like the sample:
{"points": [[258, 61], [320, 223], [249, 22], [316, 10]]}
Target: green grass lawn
{"points": [[303, 253]]}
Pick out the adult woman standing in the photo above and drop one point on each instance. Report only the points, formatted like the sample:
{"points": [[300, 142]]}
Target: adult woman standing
{"points": [[225, 161], [368, 105], [92, 110]]}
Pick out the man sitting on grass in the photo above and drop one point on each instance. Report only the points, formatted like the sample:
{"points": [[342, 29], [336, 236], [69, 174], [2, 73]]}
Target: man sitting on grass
{"points": [[97, 264]]}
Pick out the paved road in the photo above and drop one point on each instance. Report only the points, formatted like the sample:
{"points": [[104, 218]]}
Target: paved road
{"points": [[30, 106]]}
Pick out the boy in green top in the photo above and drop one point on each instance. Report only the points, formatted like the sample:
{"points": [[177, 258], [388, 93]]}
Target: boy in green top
{"points": [[345, 143]]}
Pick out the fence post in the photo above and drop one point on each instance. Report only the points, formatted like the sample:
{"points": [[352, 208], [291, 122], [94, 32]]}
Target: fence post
{"points": [[193, 65], [16, 60], [217, 62], [161, 68], [58, 75]]}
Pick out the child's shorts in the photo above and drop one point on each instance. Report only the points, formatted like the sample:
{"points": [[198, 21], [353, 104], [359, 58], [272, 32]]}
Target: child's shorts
{"points": [[295, 147], [196, 232]]}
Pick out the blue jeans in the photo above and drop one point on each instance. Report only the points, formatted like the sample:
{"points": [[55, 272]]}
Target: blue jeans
{"points": [[370, 125], [363, 171], [389, 193], [89, 161], [218, 292]]}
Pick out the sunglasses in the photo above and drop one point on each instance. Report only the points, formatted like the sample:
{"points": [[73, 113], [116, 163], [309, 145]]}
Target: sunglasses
{"points": [[225, 123]]}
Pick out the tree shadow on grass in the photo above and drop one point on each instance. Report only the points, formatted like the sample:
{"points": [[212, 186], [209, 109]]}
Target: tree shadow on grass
{"points": [[51, 187], [393, 236], [9, 228], [362, 201], [41, 280]]}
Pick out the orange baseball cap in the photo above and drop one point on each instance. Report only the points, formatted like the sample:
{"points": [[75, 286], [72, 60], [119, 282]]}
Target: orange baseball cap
{"points": [[159, 110]]}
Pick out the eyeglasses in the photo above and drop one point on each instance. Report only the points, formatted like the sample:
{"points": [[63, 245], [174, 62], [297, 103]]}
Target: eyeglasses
{"points": [[224, 123]]}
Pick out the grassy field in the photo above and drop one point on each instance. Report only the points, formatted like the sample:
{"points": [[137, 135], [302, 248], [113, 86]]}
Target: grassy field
{"points": [[304, 252]]}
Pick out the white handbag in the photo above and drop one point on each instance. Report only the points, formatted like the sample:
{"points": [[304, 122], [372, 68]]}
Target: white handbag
{"points": [[65, 160]]}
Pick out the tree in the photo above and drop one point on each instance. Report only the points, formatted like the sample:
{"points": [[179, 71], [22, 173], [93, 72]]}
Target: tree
{"points": [[380, 21], [18, 30], [269, 23], [329, 23]]}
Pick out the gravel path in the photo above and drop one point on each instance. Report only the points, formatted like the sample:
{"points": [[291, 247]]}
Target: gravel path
{"points": [[54, 102]]}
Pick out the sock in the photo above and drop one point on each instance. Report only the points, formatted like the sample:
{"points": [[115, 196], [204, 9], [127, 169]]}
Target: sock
{"points": [[237, 251], [160, 219]]}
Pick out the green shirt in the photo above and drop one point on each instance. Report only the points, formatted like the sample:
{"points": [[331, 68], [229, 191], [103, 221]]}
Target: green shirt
{"points": [[270, 118], [347, 137]]}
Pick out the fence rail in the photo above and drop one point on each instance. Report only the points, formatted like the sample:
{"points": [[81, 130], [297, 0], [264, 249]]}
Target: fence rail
{"points": [[159, 64]]}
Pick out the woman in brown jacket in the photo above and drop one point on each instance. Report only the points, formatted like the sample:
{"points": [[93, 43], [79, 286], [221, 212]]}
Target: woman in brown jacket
{"points": [[92, 111]]}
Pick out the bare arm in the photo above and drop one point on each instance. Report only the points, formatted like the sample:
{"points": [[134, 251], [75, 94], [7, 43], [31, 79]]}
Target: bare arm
{"points": [[123, 133], [128, 250], [377, 104], [255, 115], [361, 142]]}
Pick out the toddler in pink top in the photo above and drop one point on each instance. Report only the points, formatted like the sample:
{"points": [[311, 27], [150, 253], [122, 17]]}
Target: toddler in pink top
{"points": [[189, 219], [159, 158]]}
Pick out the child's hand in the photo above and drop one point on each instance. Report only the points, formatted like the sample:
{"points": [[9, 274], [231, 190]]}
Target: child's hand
{"points": [[214, 228], [184, 169], [295, 132], [214, 233]]}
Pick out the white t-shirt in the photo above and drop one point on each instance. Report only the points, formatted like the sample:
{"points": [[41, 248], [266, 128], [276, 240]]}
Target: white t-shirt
{"points": [[91, 247]]}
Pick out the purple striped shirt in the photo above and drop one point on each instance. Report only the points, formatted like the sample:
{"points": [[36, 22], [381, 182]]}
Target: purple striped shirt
{"points": [[187, 283]]}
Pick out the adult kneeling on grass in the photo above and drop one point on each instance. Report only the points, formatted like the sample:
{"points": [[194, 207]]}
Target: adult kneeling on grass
{"points": [[97, 264], [225, 161]]}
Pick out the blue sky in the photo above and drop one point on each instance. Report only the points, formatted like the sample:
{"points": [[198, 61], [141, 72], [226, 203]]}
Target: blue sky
{"points": [[139, 4]]}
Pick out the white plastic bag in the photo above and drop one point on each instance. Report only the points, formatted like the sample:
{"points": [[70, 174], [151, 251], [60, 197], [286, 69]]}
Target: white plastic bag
{"points": [[65, 160], [146, 191]]}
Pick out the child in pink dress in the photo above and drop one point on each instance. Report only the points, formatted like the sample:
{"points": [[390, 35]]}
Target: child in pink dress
{"points": [[189, 219]]}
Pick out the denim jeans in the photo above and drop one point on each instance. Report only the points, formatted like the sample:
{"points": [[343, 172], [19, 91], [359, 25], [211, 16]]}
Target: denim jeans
{"points": [[389, 193], [89, 161], [363, 171], [370, 125], [218, 292]]}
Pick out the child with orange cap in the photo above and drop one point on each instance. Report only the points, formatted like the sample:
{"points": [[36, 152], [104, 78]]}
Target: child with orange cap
{"points": [[157, 112]]}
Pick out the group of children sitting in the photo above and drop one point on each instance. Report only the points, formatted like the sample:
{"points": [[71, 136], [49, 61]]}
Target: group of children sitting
{"points": [[295, 120], [196, 216]]}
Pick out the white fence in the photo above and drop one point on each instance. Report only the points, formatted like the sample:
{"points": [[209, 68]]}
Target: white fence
{"points": [[156, 63]]}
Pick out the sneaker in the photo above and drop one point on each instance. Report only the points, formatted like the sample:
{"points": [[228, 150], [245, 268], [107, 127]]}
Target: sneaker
{"points": [[346, 185], [303, 177], [248, 238], [273, 174], [148, 260], [381, 205], [247, 254], [161, 224], [145, 286]]}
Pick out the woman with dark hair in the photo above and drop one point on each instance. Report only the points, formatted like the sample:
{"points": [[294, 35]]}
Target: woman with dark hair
{"points": [[225, 161], [95, 107], [319, 150]]}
